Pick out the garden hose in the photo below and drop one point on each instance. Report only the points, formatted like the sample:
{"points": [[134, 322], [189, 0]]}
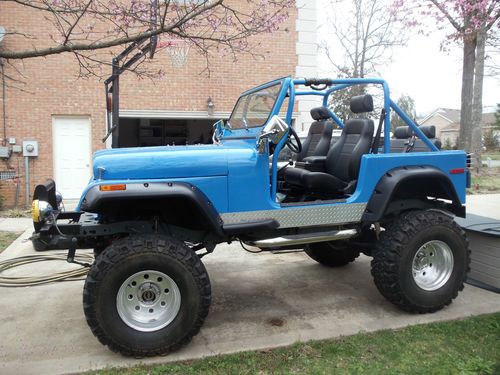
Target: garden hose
{"points": [[20, 281]]}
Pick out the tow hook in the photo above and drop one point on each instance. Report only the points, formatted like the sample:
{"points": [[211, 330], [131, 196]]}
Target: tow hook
{"points": [[71, 254]]}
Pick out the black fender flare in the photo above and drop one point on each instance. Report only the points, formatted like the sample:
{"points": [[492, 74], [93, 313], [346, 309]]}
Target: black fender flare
{"points": [[427, 180], [95, 199]]}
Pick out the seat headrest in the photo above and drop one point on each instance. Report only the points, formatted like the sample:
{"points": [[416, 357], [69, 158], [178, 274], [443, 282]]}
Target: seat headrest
{"points": [[361, 103], [428, 130], [402, 132], [320, 113]]}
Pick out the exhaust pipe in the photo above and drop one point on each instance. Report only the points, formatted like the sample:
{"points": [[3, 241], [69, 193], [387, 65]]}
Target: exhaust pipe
{"points": [[301, 239]]}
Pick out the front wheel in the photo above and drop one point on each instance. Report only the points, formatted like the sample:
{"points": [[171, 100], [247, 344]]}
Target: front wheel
{"points": [[146, 295], [421, 261]]}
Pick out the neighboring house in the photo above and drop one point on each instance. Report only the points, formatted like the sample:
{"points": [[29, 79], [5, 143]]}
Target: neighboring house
{"points": [[66, 116], [447, 123], [441, 118]]}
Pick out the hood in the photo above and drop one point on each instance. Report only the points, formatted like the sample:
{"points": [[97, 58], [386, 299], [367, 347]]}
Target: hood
{"points": [[161, 162]]}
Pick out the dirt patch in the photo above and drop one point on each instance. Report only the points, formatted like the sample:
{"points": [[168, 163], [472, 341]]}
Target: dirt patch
{"points": [[15, 213], [276, 322]]}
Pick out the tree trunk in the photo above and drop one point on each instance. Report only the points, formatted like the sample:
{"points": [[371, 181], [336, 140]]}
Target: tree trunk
{"points": [[477, 103], [465, 135]]}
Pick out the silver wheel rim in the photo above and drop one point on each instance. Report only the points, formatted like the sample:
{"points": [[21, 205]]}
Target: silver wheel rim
{"points": [[148, 301], [432, 265]]}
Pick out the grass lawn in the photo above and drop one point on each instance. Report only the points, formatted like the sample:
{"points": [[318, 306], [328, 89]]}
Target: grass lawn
{"points": [[468, 346], [493, 156], [6, 238], [488, 181]]}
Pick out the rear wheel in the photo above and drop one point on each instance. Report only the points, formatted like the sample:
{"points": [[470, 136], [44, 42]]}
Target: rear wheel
{"points": [[421, 261], [332, 254], [146, 295]]}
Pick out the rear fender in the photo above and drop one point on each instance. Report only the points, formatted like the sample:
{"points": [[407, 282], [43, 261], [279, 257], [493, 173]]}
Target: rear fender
{"points": [[410, 185]]}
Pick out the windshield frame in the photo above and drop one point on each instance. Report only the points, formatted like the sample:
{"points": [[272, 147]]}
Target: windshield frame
{"points": [[277, 82]]}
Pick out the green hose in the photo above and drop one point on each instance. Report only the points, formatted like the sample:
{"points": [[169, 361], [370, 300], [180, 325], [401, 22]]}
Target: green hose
{"points": [[20, 281]]}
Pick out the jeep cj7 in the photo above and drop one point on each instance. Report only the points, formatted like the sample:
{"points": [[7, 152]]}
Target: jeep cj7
{"points": [[150, 214]]}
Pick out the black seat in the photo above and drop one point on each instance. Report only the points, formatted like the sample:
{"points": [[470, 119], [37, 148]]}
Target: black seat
{"points": [[318, 139], [404, 141], [342, 162], [400, 140], [430, 132]]}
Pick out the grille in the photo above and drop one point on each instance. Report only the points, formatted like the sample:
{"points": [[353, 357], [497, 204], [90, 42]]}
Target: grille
{"points": [[469, 160]]}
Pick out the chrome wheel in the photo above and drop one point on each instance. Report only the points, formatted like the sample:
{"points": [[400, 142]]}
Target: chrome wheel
{"points": [[148, 301], [432, 265]]}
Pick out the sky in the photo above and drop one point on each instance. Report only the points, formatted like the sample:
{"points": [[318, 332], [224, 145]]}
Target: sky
{"points": [[430, 76]]}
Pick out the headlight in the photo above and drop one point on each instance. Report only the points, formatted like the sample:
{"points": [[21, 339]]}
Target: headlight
{"points": [[40, 210]]}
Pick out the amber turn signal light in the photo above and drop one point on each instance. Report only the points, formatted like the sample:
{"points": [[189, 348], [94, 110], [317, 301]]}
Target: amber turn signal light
{"points": [[112, 187]]}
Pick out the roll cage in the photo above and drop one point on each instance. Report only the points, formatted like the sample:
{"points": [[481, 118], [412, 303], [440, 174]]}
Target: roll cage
{"points": [[292, 88]]}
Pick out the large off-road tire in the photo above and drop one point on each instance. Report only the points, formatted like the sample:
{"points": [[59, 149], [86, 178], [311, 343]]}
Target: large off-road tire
{"points": [[146, 295], [421, 261], [332, 254]]}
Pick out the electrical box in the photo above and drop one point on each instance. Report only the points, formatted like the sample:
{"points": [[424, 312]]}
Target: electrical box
{"points": [[17, 149], [30, 148], [4, 152], [12, 141]]}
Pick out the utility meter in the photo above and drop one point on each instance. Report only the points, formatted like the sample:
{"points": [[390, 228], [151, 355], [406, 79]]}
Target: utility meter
{"points": [[30, 148]]}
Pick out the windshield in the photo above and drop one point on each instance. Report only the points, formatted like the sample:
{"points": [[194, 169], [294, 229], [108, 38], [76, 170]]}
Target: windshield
{"points": [[253, 109]]}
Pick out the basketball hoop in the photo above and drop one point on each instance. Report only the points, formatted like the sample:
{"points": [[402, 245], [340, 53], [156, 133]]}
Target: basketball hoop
{"points": [[178, 50]]}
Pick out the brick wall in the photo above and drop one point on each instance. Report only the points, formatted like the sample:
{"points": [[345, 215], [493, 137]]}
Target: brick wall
{"points": [[51, 88]]}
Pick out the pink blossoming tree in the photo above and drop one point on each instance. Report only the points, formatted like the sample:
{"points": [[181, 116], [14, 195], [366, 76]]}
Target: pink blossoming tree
{"points": [[90, 29], [472, 22]]}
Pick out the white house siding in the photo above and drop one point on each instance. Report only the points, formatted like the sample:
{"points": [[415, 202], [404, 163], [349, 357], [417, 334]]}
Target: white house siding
{"points": [[307, 52], [439, 122]]}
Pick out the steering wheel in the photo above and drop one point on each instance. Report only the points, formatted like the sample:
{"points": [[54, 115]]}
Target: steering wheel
{"points": [[294, 147]]}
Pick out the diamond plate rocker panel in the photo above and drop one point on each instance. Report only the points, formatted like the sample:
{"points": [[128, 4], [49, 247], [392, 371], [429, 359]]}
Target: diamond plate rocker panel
{"points": [[302, 216]]}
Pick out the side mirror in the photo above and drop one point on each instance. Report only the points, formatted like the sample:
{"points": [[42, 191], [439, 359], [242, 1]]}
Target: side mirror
{"points": [[274, 131], [218, 131]]}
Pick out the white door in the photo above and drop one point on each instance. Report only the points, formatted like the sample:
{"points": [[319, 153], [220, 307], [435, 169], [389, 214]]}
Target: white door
{"points": [[72, 153]]}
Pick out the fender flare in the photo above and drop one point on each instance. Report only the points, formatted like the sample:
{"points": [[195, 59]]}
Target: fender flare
{"points": [[391, 181], [95, 199]]}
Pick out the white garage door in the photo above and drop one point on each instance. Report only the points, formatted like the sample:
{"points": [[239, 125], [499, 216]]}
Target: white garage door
{"points": [[72, 153]]}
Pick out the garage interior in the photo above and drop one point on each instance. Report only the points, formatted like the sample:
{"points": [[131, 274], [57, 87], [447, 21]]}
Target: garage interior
{"points": [[144, 132]]}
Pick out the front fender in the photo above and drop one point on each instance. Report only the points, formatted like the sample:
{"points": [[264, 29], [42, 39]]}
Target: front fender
{"points": [[97, 201]]}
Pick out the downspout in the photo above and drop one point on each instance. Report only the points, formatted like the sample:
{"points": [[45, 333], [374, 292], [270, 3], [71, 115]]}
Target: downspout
{"points": [[4, 104]]}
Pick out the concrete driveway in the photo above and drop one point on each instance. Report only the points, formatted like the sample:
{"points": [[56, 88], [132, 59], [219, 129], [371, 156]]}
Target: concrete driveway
{"points": [[259, 301]]}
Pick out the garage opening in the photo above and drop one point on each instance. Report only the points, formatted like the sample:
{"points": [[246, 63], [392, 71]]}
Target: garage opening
{"points": [[144, 132]]}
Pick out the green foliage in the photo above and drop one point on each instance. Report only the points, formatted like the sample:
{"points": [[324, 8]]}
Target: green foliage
{"points": [[496, 124], [491, 140], [407, 105], [340, 100], [447, 144], [458, 347]]}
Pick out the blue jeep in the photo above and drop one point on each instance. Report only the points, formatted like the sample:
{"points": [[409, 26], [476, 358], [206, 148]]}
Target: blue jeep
{"points": [[150, 214]]}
